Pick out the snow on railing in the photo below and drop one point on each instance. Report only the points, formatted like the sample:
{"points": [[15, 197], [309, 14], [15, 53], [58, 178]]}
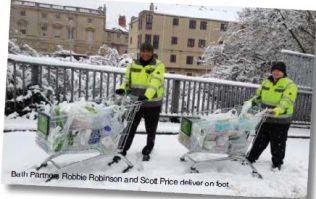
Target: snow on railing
{"points": [[184, 95], [297, 53], [55, 62]]}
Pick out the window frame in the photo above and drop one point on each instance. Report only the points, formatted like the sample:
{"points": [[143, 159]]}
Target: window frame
{"points": [[191, 43], [192, 24]]}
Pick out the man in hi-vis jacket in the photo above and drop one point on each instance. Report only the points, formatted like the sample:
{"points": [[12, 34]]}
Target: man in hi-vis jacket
{"points": [[144, 78], [278, 94]]}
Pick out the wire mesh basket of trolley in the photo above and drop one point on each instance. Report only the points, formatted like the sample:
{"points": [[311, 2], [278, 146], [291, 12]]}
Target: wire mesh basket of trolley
{"points": [[224, 133], [81, 127]]}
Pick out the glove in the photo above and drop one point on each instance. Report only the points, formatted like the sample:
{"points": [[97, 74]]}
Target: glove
{"points": [[277, 111], [120, 91], [142, 98]]}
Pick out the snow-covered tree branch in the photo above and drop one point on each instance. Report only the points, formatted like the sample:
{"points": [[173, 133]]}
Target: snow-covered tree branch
{"points": [[257, 40]]}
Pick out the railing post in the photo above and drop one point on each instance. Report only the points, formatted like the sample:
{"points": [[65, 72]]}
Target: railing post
{"points": [[175, 97], [35, 73]]}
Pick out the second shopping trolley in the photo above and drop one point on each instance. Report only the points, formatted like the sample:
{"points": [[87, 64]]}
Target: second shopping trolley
{"points": [[224, 131]]}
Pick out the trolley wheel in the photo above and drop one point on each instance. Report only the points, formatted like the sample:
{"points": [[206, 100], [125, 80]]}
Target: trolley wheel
{"points": [[244, 163], [182, 159], [256, 174], [127, 169], [41, 166], [55, 176], [194, 170], [116, 159]]}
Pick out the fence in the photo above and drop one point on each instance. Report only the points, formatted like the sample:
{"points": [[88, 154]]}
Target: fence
{"points": [[184, 95], [300, 67]]}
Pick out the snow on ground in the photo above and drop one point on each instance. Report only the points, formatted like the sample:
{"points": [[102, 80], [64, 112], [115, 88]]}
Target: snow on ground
{"points": [[22, 154]]}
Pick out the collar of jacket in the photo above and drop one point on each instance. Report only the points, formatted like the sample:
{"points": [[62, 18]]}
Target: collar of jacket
{"points": [[270, 78], [153, 62]]}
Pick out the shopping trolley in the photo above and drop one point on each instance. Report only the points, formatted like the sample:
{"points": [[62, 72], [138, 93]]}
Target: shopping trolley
{"points": [[96, 127], [227, 132]]}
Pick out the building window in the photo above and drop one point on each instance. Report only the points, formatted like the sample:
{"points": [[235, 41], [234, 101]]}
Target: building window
{"points": [[22, 28], [191, 42], [44, 15], [147, 38], [23, 31], [200, 60], [192, 24], [90, 36], [139, 41], [140, 23], [174, 40], [22, 13], [201, 43], [173, 58], [203, 25], [44, 30], [130, 40], [189, 60], [223, 27], [89, 20], [57, 16], [70, 33], [118, 35], [156, 41], [175, 21], [149, 22], [57, 32]]}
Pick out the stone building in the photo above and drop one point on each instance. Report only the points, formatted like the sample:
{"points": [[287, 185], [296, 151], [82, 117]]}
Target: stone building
{"points": [[178, 41], [44, 26]]}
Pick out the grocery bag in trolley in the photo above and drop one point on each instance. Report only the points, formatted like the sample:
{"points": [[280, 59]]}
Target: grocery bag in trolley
{"points": [[79, 124], [210, 133], [225, 131], [83, 126]]}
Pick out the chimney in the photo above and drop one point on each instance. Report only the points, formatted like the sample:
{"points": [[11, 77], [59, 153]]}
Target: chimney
{"points": [[151, 7], [122, 21]]}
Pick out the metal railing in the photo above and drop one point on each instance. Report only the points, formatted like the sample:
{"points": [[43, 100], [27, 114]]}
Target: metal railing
{"points": [[299, 67], [183, 95]]}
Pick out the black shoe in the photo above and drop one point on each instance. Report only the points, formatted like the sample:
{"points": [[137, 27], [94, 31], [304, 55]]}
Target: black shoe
{"points": [[146, 150], [146, 157], [250, 160], [276, 167], [116, 158]]}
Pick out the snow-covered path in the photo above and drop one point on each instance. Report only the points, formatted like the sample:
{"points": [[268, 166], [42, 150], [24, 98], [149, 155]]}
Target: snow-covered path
{"points": [[22, 154]]}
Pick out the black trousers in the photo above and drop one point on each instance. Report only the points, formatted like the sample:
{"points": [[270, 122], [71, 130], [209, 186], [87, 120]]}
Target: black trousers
{"points": [[274, 133], [151, 117]]}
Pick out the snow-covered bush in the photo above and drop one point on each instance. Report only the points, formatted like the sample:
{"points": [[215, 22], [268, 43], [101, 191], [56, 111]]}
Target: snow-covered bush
{"points": [[30, 97]]}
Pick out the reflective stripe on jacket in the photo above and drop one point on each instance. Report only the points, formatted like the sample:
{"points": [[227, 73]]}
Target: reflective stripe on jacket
{"points": [[145, 80], [280, 96]]}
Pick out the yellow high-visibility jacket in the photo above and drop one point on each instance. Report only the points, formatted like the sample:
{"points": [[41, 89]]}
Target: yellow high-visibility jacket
{"points": [[280, 96], [145, 80]]}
